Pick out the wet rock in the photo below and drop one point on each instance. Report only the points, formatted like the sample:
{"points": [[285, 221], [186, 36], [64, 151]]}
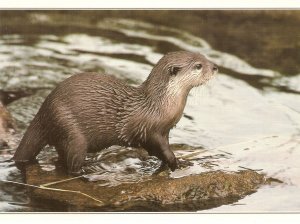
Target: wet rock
{"points": [[157, 193], [7, 97], [7, 126], [24, 109]]}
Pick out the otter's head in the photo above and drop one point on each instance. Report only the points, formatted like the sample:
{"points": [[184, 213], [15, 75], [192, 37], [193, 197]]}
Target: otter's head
{"points": [[180, 71]]}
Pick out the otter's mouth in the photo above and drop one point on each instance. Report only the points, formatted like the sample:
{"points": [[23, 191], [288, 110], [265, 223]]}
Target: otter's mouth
{"points": [[206, 78]]}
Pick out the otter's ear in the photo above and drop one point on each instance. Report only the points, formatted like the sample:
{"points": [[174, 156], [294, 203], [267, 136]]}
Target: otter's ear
{"points": [[173, 70]]}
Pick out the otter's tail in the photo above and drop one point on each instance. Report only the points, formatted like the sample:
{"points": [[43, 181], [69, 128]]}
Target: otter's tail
{"points": [[32, 142]]}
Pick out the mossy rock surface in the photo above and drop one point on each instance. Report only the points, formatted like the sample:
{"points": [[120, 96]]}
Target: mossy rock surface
{"points": [[157, 193]]}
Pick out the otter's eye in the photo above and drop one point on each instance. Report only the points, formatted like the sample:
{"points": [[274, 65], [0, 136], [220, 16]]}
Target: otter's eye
{"points": [[198, 66], [174, 70]]}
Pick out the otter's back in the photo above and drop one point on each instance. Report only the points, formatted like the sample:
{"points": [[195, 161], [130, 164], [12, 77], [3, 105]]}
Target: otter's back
{"points": [[90, 101]]}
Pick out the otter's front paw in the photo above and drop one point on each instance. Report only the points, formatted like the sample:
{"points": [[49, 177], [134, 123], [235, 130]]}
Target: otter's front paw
{"points": [[173, 165]]}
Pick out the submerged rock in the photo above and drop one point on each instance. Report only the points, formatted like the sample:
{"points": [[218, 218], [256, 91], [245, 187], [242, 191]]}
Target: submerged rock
{"points": [[137, 187], [7, 126]]}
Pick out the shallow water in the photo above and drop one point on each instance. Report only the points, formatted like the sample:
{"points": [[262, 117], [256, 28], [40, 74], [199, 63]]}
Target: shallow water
{"points": [[246, 117]]}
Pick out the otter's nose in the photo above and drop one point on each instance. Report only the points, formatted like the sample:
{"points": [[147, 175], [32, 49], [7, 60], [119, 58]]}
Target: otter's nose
{"points": [[215, 68]]}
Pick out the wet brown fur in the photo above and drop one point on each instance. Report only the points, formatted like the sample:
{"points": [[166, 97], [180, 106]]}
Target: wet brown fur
{"points": [[89, 112]]}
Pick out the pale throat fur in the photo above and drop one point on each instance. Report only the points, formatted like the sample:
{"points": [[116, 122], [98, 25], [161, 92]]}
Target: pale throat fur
{"points": [[158, 111]]}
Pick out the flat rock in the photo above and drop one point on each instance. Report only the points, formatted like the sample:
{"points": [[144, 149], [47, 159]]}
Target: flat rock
{"points": [[155, 193]]}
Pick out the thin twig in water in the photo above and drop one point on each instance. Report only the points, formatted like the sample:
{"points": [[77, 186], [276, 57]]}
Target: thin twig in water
{"points": [[60, 181], [225, 152], [250, 168], [53, 189], [72, 178]]}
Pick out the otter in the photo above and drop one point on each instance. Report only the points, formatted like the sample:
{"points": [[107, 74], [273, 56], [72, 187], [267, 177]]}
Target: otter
{"points": [[88, 112]]}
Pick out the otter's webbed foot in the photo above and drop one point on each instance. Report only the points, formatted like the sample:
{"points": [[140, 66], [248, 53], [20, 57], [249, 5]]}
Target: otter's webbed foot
{"points": [[162, 168], [181, 164]]}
